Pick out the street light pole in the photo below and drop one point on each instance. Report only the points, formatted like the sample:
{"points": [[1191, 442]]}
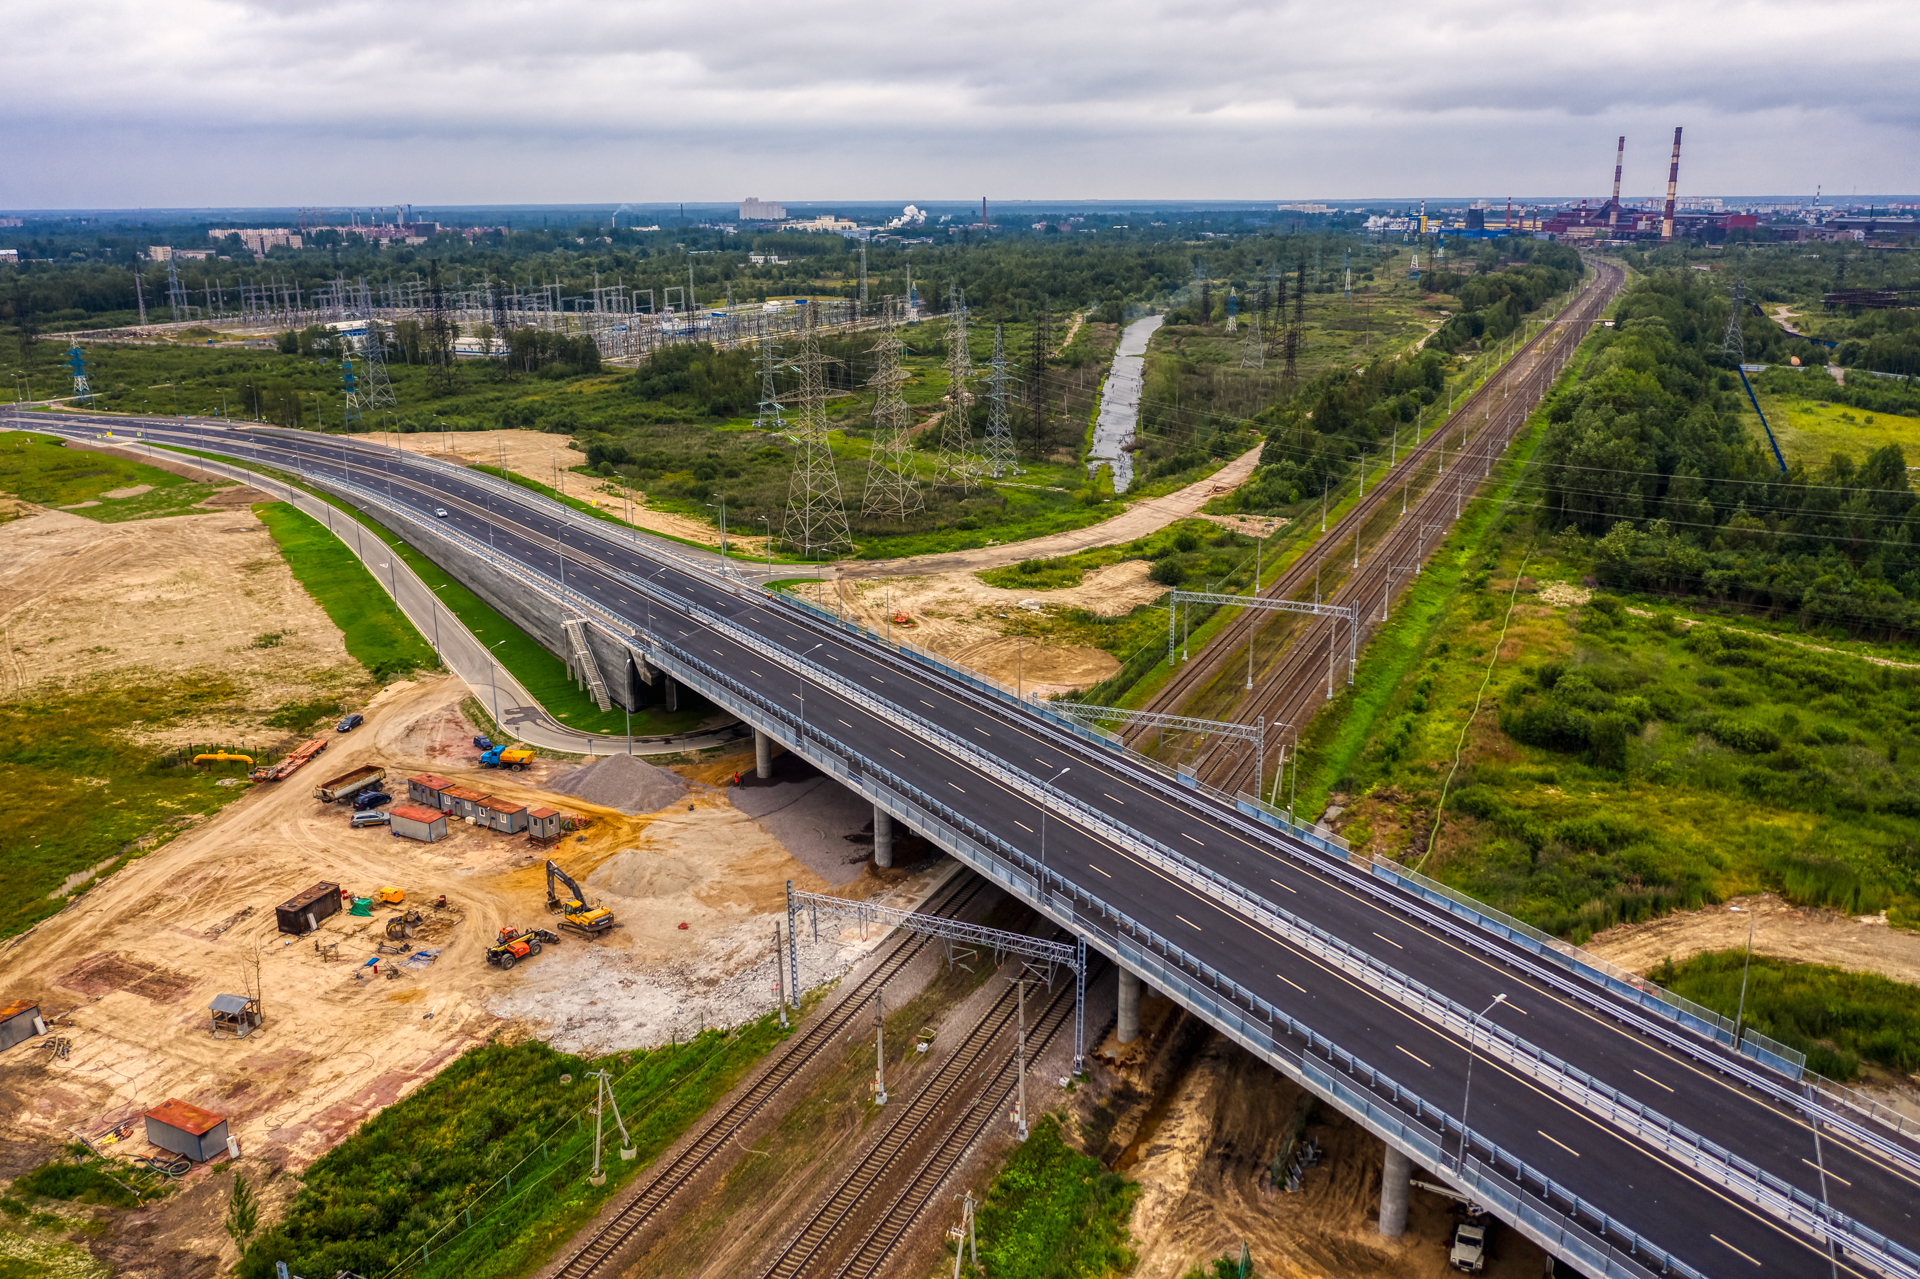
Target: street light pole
{"points": [[1043, 828], [433, 602], [493, 681], [1740, 1018], [1466, 1098]]}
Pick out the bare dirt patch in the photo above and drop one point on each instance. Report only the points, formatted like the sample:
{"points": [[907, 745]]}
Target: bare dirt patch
{"points": [[164, 597], [1781, 930], [548, 459], [962, 618]]}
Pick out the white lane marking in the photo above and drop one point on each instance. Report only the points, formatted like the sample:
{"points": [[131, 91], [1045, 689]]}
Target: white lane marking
{"points": [[843, 721]]}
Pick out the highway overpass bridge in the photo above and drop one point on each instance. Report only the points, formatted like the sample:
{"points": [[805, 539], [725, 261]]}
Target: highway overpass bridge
{"points": [[1620, 1130]]}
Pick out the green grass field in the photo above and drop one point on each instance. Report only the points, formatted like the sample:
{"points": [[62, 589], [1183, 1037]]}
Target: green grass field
{"points": [[1054, 1213], [83, 792], [482, 1172], [40, 469], [378, 635], [1839, 1019], [1811, 431]]}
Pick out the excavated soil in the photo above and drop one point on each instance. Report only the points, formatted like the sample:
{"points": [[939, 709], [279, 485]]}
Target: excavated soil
{"points": [[126, 972], [157, 599], [1197, 1121], [1861, 944], [546, 459], [963, 619]]}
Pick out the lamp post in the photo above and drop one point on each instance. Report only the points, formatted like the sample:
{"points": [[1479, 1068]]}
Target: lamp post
{"points": [[1043, 827], [433, 604], [493, 682], [766, 520], [1740, 1018], [803, 689], [1466, 1098], [721, 506]]}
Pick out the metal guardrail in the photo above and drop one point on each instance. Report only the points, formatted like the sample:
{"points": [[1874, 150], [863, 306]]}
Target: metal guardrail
{"points": [[1752, 1182]]}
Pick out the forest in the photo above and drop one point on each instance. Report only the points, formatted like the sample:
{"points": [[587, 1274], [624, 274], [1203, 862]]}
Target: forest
{"points": [[1648, 455]]}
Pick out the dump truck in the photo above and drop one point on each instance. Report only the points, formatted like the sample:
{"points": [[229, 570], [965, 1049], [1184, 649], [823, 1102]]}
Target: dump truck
{"points": [[286, 767], [578, 915], [349, 784], [504, 756]]}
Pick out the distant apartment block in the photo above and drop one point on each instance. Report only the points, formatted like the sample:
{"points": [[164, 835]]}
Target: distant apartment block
{"points": [[12, 222], [260, 239], [754, 209], [166, 253]]}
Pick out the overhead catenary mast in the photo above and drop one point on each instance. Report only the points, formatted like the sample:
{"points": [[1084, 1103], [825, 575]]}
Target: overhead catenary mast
{"points": [[892, 491]]}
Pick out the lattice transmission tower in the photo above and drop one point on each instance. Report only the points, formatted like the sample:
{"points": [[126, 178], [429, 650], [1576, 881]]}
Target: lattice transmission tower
{"points": [[959, 464], [1290, 348], [1253, 352], [892, 491], [1002, 458], [1233, 310], [816, 516], [82, 384], [1733, 343], [376, 390]]}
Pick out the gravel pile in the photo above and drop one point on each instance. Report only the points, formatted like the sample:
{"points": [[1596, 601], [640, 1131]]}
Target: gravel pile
{"points": [[623, 782]]}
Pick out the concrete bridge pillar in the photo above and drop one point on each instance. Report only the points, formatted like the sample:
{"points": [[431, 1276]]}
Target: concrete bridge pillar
{"points": [[1395, 1174], [762, 755], [882, 837], [1129, 1028]]}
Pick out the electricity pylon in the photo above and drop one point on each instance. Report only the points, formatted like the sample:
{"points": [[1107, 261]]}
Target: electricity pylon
{"points": [[816, 517], [1002, 458], [892, 492], [1733, 344], [958, 465], [1253, 354]]}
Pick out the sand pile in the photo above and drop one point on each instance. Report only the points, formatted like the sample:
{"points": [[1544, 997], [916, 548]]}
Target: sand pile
{"points": [[623, 782], [632, 872]]}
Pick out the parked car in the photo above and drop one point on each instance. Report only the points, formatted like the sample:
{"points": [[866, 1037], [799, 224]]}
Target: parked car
{"points": [[441, 511], [350, 723], [372, 817], [1469, 1252], [483, 743], [370, 799]]}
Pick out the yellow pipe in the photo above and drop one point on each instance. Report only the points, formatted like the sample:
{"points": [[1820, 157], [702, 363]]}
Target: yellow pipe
{"points": [[222, 756]]}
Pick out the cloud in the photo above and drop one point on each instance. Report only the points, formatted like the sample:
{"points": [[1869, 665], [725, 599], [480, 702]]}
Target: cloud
{"points": [[201, 102]]}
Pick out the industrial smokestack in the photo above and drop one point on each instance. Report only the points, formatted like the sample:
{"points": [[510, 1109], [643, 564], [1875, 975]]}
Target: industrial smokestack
{"points": [[1619, 158], [1673, 180]]}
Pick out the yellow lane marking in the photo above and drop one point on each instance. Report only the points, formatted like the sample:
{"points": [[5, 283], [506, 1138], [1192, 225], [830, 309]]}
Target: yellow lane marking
{"points": [[1556, 1141], [1729, 1247], [1189, 923], [1101, 871], [1390, 941], [1417, 1057], [1650, 1079]]}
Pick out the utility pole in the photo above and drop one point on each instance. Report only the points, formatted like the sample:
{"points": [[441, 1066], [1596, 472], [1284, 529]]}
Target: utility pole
{"points": [[780, 975], [1020, 1060], [879, 1053], [969, 1243], [602, 1098]]}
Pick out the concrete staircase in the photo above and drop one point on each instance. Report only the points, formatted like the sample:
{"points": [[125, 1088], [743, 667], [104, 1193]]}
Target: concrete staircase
{"points": [[581, 664]]}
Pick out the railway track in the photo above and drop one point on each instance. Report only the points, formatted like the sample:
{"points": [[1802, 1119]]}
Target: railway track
{"points": [[1302, 663], [645, 1203], [913, 1199], [813, 1243]]}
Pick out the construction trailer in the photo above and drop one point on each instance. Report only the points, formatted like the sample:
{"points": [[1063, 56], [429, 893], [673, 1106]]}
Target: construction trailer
{"points": [[411, 821], [544, 826], [235, 1015], [505, 815], [187, 1130], [301, 915], [428, 791], [20, 1020], [464, 803]]}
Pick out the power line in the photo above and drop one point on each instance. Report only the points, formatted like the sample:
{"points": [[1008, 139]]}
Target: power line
{"points": [[816, 517]]}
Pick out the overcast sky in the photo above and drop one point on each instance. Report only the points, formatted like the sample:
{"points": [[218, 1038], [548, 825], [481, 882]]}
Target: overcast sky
{"points": [[121, 103]]}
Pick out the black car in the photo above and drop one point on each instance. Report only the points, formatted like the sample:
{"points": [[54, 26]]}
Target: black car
{"points": [[350, 723], [370, 799]]}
